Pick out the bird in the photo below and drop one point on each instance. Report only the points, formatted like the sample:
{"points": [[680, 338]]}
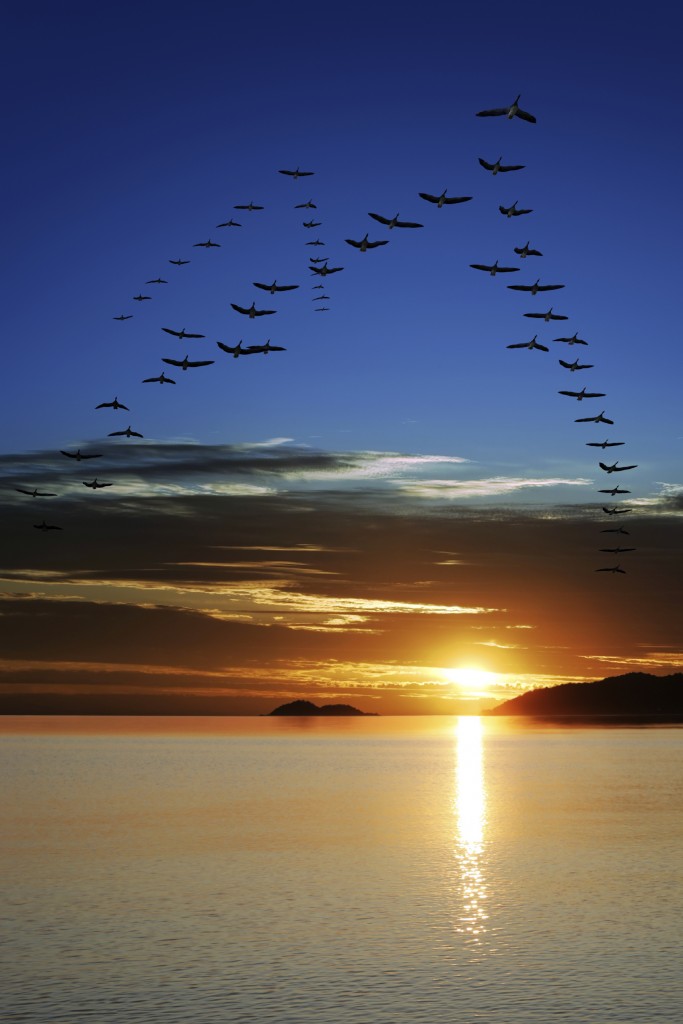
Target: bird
{"points": [[112, 405], [603, 444], [122, 317], [229, 224], [498, 166], [318, 259], [275, 287], [248, 206], [574, 340], [179, 263], [494, 268], [325, 270], [79, 455], [312, 223], [364, 244], [512, 211], [163, 379], [125, 433], [442, 200], [600, 418], [45, 526], [319, 298], [535, 288], [181, 333], [141, 297], [252, 311], [613, 491], [322, 309], [35, 493], [157, 280], [580, 395], [612, 568], [616, 529], [207, 245], [316, 242], [310, 205], [525, 251], [394, 222], [95, 484], [576, 365], [514, 110], [615, 511], [265, 349], [615, 467], [235, 350], [185, 363], [617, 550], [547, 317], [317, 287], [297, 174], [530, 344]]}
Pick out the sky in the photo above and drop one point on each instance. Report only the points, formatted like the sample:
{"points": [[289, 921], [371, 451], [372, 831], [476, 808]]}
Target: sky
{"points": [[397, 511]]}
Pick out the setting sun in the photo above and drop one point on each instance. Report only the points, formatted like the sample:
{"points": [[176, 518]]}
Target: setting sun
{"points": [[478, 681]]}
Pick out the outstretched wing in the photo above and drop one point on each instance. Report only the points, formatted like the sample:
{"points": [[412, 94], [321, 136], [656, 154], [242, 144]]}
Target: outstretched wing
{"points": [[496, 112]]}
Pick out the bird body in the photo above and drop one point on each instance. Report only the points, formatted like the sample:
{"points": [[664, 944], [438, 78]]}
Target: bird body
{"points": [[185, 363], [364, 244], [514, 110], [442, 200], [112, 405], [530, 344], [394, 222]]}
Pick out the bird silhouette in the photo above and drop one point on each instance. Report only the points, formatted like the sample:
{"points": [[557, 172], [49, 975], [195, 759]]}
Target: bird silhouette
{"points": [[79, 455], [525, 251], [600, 418], [229, 224], [604, 444], [35, 493], [512, 211], [95, 484], [310, 205], [317, 241], [580, 395], [235, 350], [394, 222], [122, 317], [325, 270], [141, 297], [576, 365], [157, 280], [128, 432], [574, 340], [364, 244], [179, 263], [547, 317], [614, 511], [442, 200], [207, 245], [498, 168], [617, 550], [265, 349], [181, 333], [312, 223], [612, 568], [613, 491], [616, 529], [45, 526], [297, 174], [615, 467], [275, 287], [252, 311], [185, 363], [248, 206], [514, 110], [535, 288], [494, 269], [112, 405], [530, 344], [162, 379]]}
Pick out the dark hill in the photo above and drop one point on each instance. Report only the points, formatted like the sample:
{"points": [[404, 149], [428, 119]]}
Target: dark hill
{"points": [[636, 694], [305, 707]]}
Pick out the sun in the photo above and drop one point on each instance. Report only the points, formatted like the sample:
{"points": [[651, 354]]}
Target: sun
{"points": [[476, 681]]}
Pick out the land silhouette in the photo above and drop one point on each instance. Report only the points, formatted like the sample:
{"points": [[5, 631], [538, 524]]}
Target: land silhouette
{"points": [[636, 694], [306, 707]]}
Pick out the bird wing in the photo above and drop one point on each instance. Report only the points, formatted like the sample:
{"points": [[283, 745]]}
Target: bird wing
{"points": [[239, 309], [377, 217], [497, 112], [169, 330], [171, 362], [608, 469], [594, 394], [373, 245], [548, 287], [488, 167], [521, 344], [197, 362], [105, 405], [521, 287], [151, 380], [542, 347], [264, 312], [480, 266], [350, 241], [507, 270], [572, 394], [620, 469], [408, 224], [430, 199], [512, 167], [556, 316], [194, 335], [286, 287], [265, 287], [525, 116], [228, 348], [456, 199]]}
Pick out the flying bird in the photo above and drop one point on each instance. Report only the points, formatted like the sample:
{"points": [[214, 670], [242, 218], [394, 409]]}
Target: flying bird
{"points": [[576, 365], [157, 280], [125, 433], [364, 244], [530, 344], [613, 491], [312, 223], [325, 270], [494, 268], [252, 311], [615, 511], [514, 110], [319, 287], [207, 245], [181, 333], [265, 349], [297, 174], [35, 493], [616, 529], [95, 484], [248, 206], [122, 317], [185, 363], [179, 263], [275, 287], [603, 444], [229, 224], [318, 259], [600, 418], [512, 211], [45, 526], [141, 298], [319, 298], [394, 222], [525, 251], [574, 340], [79, 455], [316, 242], [547, 317], [580, 395], [163, 379], [498, 167], [322, 309], [112, 405], [615, 467], [235, 350], [442, 200], [612, 568], [617, 550], [310, 205], [535, 288]]}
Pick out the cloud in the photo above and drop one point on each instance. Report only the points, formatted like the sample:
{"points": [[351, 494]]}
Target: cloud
{"points": [[485, 488]]}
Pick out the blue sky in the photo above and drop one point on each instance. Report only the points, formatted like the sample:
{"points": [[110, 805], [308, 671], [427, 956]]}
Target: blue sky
{"points": [[135, 129]]}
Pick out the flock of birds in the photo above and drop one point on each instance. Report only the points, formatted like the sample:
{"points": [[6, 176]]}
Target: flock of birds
{"points": [[319, 267]]}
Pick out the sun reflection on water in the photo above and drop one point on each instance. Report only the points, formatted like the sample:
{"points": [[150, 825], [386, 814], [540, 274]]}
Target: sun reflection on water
{"points": [[470, 814]]}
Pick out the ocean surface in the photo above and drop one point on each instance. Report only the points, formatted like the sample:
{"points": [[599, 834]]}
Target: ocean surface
{"points": [[349, 871]]}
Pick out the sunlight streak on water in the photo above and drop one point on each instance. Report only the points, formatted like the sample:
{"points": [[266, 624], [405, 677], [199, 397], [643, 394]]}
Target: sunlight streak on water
{"points": [[470, 812]]}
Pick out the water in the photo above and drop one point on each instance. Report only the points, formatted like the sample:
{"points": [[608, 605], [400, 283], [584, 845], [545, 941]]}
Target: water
{"points": [[376, 870]]}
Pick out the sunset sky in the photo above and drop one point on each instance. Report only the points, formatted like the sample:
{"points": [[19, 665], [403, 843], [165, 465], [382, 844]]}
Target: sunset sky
{"points": [[398, 511]]}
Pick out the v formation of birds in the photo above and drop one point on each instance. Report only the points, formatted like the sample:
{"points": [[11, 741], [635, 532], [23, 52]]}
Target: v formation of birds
{"points": [[320, 268]]}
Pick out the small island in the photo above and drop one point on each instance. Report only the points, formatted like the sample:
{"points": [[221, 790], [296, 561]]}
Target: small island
{"points": [[634, 695], [306, 707]]}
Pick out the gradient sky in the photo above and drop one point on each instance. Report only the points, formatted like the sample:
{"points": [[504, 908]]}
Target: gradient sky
{"points": [[398, 499]]}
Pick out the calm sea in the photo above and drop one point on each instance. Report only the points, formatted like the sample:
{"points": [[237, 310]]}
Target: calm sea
{"points": [[372, 871]]}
